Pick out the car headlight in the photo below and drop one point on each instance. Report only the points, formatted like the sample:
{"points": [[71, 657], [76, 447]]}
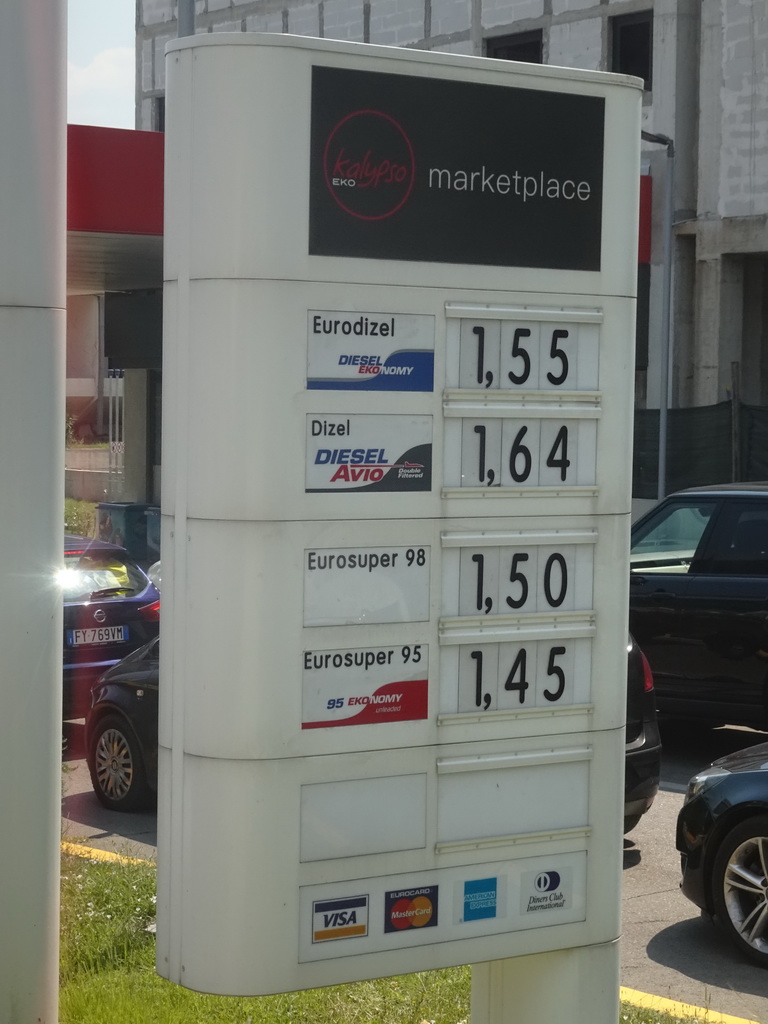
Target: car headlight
{"points": [[703, 781]]}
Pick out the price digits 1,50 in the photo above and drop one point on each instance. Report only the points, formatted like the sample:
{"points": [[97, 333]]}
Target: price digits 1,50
{"points": [[517, 678], [555, 582]]}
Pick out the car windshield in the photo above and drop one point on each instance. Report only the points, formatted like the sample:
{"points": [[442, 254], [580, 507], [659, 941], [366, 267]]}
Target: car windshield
{"points": [[667, 542], [103, 575]]}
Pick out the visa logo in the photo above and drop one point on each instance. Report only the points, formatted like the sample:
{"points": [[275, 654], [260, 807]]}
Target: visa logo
{"points": [[339, 918], [342, 918]]}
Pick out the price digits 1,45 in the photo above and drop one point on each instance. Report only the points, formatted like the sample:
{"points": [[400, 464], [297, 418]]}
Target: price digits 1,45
{"points": [[517, 680]]}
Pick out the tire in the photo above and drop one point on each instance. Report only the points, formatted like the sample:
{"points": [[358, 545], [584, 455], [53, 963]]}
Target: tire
{"points": [[631, 822], [740, 888], [117, 768]]}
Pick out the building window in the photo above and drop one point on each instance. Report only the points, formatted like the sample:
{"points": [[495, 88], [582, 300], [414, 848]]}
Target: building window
{"points": [[525, 46], [632, 45], [158, 114]]}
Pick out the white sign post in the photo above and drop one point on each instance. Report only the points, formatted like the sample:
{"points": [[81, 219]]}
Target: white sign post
{"points": [[396, 497], [32, 356]]}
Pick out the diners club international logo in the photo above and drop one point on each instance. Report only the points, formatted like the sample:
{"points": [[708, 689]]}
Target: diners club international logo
{"points": [[369, 165]]}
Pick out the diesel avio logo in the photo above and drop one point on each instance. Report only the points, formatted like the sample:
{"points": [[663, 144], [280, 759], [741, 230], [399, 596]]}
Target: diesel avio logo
{"points": [[369, 165]]}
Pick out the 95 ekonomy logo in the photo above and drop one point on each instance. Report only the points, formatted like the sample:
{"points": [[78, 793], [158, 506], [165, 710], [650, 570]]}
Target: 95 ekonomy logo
{"points": [[369, 165]]}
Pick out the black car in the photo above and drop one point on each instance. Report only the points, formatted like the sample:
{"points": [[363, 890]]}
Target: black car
{"points": [[643, 743], [699, 602], [110, 609], [121, 731], [121, 734], [722, 836]]}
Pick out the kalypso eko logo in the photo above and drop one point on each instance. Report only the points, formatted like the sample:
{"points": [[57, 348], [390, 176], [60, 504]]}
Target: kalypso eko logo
{"points": [[369, 165]]}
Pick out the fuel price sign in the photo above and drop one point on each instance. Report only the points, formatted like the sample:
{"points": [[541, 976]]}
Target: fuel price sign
{"points": [[407, 524]]}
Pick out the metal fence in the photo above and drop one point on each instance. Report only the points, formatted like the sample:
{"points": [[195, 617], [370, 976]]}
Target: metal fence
{"points": [[711, 444], [113, 392]]}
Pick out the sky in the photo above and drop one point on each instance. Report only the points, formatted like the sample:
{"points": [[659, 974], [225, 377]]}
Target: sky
{"points": [[101, 64]]}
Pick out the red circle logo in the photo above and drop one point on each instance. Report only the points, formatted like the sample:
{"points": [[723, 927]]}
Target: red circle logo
{"points": [[369, 165], [415, 913]]}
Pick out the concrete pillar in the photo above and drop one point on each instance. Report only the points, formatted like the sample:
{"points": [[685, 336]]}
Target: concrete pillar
{"points": [[684, 315], [575, 985], [719, 306], [710, 107], [32, 333]]}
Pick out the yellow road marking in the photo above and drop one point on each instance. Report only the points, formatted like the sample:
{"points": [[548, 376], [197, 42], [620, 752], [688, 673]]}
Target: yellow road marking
{"points": [[91, 853], [675, 1009]]}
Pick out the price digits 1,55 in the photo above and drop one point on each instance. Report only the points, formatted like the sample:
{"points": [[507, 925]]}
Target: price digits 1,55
{"points": [[521, 358], [517, 680]]}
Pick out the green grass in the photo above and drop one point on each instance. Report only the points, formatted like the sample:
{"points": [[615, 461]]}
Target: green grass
{"points": [[80, 517], [107, 970]]}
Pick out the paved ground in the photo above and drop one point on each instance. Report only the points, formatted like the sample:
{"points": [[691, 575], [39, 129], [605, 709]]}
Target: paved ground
{"points": [[667, 949]]}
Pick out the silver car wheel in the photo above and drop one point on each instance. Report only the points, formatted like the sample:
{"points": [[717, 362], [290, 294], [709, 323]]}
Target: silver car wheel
{"points": [[113, 763], [745, 892]]}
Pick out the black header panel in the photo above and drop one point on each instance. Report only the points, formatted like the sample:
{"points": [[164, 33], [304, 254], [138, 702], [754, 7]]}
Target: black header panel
{"points": [[409, 168]]}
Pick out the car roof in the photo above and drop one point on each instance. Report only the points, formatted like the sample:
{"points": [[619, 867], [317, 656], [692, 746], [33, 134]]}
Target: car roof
{"points": [[74, 544], [741, 489]]}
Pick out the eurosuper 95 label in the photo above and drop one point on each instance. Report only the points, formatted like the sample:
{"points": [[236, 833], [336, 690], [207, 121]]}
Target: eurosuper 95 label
{"points": [[367, 351], [365, 686], [368, 453]]}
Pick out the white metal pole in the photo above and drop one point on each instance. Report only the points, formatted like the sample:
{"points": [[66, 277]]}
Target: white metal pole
{"points": [[666, 307], [32, 339]]}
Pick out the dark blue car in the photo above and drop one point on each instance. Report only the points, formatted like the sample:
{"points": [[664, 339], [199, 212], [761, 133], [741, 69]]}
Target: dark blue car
{"points": [[110, 609]]}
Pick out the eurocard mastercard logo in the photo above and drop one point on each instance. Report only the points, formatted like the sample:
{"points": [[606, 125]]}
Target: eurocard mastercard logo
{"points": [[410, 908]]}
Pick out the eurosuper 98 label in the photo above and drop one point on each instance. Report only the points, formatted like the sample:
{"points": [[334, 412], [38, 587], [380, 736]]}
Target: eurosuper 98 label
{"points": [[360, 586], [365, 686]]}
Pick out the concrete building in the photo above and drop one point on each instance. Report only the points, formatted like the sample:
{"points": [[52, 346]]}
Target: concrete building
{"points": [[705, 65]]}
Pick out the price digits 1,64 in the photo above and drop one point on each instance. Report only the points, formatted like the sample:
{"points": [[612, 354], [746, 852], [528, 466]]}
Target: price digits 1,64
{"points": [[522, 455]]}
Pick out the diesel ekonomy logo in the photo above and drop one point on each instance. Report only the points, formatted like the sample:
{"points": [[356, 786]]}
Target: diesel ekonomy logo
{"points": [[369, 165]]}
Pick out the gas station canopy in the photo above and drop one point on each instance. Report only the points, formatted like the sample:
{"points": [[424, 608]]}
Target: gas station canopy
{"points": [[114, 210]]}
